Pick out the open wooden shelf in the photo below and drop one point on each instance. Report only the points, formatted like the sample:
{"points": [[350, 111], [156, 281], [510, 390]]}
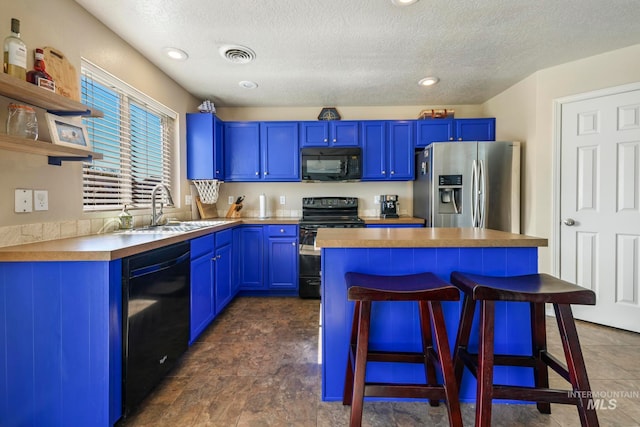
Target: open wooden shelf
{"points": [[28, 93], [24, 145]]}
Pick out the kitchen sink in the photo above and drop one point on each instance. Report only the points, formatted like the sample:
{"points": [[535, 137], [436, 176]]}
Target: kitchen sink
{"points": [[173, 227]]}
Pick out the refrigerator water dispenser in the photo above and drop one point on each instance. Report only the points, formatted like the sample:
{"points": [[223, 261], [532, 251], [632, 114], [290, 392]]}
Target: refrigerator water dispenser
{"points": [[450, 192]]}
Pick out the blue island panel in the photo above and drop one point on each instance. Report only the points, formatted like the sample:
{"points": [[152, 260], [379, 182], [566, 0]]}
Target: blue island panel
{"points": [[395, 324], [60, 345]]}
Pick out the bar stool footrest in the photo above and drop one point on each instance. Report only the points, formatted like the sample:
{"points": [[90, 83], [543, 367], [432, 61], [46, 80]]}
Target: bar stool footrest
{"points": [[532, 394], [421, 391]]}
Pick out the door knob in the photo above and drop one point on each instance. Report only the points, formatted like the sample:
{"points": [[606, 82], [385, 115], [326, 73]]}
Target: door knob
{"points": [[569, 222]]}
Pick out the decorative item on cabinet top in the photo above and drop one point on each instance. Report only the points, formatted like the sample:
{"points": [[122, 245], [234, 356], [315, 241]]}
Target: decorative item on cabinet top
{"points": [[441, 113], [329, 113]]}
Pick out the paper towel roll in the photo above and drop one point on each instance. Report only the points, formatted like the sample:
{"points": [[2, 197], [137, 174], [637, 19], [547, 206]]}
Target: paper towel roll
{"points": [[263, 206]]}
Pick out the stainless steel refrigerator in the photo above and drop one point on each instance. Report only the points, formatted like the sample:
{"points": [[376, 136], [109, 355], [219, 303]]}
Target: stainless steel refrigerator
{"points": [[469, 184]]}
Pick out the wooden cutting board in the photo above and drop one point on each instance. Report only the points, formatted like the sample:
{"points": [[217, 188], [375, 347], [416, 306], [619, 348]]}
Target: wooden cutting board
{"points": [[63, 73], [206, 210]]}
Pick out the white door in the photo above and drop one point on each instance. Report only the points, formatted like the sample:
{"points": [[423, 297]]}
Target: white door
{"points": [[600, 205]]}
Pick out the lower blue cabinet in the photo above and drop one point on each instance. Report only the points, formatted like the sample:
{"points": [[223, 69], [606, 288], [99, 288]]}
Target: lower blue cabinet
{"points": [[211, 286], [282, 257]]}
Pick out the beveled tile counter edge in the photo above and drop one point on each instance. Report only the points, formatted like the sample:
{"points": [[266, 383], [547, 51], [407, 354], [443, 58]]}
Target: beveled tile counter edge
{"points": [[116, 245]]}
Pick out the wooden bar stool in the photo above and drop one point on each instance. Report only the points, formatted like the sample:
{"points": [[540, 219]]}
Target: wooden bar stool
{"points": [[537, 289], [428, 290]]}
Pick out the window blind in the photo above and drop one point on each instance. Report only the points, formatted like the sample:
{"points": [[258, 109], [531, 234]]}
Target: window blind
{"points": [[136, 138]]}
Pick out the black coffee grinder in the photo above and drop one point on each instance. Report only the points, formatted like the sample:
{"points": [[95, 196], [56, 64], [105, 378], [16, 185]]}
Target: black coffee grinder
{"points": [[389, 206]]}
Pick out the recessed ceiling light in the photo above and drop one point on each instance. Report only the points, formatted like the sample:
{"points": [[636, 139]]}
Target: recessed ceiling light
{"points": [[403, 2], [428, 81], [246, 84], [175, 53]]}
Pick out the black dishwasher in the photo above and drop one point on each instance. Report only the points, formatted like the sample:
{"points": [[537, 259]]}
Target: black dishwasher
{"points": [[155, 311]]}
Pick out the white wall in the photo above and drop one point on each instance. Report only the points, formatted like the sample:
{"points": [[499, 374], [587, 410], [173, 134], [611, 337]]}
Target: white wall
{"points": [[525, 112], [65, 25]]}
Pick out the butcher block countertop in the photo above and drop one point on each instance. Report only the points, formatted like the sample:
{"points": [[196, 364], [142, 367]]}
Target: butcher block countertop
{"points": [[422, 238], [111, 246]]}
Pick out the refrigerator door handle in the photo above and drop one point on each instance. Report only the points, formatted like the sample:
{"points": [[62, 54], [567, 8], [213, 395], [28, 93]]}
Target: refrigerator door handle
{"points": [[474, 193], [482, 183]]}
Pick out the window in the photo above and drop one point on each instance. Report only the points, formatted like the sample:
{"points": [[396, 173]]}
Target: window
{"points": [[136, 138]]}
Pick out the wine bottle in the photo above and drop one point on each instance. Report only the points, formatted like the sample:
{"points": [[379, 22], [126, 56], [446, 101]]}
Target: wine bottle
{"points": [[39, 76], [15, 53]]}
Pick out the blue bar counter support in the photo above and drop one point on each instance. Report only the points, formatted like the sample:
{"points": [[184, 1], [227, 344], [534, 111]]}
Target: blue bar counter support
{"points": [[394, 325]]}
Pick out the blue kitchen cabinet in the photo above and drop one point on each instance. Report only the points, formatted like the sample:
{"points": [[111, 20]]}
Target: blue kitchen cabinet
{"points": [[242, 151], [61, 343], [333, 133], [223, 288], [204, 147], [266, 151], [250, 252], [387, 150], [282, 258], [202, 285], [480, 129], [439, 130], [280, 151]]}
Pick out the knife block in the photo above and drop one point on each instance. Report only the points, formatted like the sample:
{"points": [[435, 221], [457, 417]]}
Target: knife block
{"points": [[234, 210]]}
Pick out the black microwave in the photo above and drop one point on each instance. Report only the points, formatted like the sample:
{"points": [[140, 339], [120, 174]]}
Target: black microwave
{"points": [[331, 164]]}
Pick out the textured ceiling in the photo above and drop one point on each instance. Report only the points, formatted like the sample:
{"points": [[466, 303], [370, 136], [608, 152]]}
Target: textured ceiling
{"points": [[366, 52]]}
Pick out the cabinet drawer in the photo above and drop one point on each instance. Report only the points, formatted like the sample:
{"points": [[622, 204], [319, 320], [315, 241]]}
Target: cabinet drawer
{"points": [[201, 245], [223, 237], [282, 230]]}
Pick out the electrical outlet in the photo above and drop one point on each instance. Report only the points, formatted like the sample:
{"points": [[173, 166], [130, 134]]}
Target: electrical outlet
{"points": [[24, 200], [230, 200], [283, 200], [376, 199], [40, 200], [188, 200]]}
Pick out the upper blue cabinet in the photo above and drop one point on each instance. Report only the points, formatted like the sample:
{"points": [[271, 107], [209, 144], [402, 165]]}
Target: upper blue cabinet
{"points": [[387, 150], [438, 130], [261, 151], [333, 133], [204, 147]]}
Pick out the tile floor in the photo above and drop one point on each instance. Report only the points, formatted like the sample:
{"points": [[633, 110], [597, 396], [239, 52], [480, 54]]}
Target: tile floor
{"points": [[256, 365]]}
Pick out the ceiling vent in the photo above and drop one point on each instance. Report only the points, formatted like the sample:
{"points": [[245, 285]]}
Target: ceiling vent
{"points": [[237, 54]]}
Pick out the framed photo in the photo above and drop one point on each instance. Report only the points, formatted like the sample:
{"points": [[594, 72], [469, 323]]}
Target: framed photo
{"points": [[68, 131]]}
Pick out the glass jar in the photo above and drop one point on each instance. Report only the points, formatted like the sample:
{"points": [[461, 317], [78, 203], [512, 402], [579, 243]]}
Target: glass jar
{"points": [[22, 121]]}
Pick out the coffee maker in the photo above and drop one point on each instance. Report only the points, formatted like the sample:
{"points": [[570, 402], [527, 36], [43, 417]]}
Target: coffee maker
{"points": [[389, 206]]}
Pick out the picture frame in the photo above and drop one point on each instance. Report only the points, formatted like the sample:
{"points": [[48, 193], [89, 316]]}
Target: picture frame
{"points": [[68, 131]]}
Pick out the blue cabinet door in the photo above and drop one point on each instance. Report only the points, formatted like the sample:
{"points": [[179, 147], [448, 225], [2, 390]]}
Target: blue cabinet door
{"points": [[435, 130], [222, 277], [251, 258], [242, 151], [204, 147], [481, 129], [314, 134], [282, 270], [280, 151], [202, 295], [400, 143], [344, 133], [374, 149], [334, 133]]}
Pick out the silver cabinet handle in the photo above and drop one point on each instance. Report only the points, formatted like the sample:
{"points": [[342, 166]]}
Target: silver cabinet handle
{"points": [[384, 172], [293, 243], [282, 230], [335, 140], [569, 222], [266, 173], [393, 172], [257, 173]]}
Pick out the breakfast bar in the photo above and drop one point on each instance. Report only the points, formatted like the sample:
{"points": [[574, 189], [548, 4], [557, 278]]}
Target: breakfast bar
{"points": [[399, 251]]}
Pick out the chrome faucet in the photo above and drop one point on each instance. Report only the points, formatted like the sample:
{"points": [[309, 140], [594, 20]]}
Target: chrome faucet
{"points": [[155, 217]]}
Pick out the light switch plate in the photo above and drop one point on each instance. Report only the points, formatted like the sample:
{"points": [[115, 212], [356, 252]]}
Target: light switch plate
{"points": [[40, 200], [187, 199], [283, 200], [24, 200]]}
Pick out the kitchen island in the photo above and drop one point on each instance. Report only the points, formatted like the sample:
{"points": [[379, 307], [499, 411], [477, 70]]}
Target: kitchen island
{"points": [[394, 325]]}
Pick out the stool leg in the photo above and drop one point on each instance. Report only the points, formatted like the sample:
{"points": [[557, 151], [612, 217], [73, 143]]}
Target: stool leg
{"points": [[484, 391], [362, 348], [427, 347], [462, 337], [539, 345], [446, 364], [347, 394], [575, 363]]}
